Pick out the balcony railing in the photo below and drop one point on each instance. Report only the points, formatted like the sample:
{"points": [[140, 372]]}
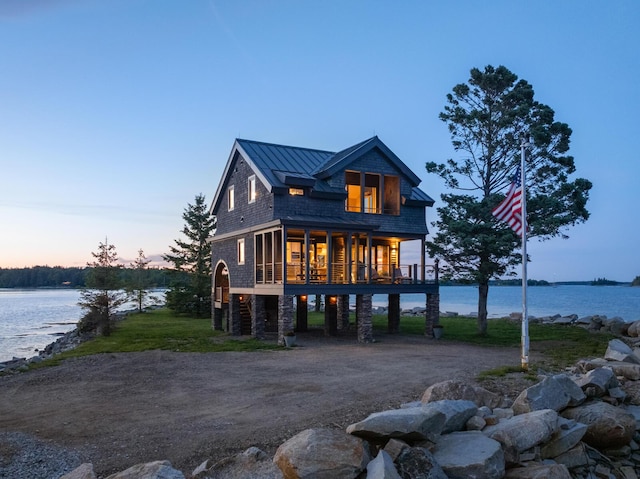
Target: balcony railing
{"points": [[359, 273]]}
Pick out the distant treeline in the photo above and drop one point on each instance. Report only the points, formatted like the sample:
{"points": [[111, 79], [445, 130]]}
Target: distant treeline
{"points": [[62, 277]]}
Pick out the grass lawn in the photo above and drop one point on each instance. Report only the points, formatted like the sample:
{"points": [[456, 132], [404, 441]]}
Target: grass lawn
{"points": [[161, 329]]}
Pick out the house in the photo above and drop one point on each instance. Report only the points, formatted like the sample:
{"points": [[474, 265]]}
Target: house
{"points": [[295, 223]]}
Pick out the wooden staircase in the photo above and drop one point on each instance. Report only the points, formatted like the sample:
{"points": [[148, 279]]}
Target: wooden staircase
{"points": [[245, 316]]}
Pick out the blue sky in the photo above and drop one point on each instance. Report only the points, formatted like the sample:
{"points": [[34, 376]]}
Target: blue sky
{"points": [[116, 114]]}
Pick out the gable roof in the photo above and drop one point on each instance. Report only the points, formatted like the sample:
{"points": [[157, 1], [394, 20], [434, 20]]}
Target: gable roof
{"points": [[280, 166]]}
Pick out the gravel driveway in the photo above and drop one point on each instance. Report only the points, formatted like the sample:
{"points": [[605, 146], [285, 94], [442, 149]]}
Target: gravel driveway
{"points": [[116, 410]]}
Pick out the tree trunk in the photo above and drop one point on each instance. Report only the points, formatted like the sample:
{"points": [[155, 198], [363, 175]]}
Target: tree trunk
{"points": [[483, 294]]}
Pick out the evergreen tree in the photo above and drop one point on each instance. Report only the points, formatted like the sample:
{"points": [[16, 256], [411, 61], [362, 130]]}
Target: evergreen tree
{"points": [[192, 255], [139, 282], [103, 294], [488, 118]]}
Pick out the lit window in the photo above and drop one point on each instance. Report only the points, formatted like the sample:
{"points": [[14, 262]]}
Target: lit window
{"points": [[296, 191], [231, 196], [354, 200], [241, 251], [252, 188]]}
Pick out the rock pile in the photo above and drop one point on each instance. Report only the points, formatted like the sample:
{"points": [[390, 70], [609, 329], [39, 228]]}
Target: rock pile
{"points": [[584, 423]]}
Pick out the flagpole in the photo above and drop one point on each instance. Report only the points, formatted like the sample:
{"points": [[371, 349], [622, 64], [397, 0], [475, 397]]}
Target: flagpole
{"points": [[525, 318]]}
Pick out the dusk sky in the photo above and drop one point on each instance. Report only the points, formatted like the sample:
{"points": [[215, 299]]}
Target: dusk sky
{"points": [[115, 114]]}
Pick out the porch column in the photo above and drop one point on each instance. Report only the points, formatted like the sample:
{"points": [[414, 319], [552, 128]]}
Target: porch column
{"points": [[235, 320], [330, 316], [258, 316], [302, 310], [364, 319], [285, 316], [343, 312], [432, 315], [394, 314]]}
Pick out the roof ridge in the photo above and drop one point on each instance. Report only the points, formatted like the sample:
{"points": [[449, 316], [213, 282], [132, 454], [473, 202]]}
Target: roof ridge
{"points": [[284, 146]]}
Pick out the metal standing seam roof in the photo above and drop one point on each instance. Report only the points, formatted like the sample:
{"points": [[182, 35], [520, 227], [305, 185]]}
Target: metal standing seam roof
{"points": [[276, 162], [269, 158]]}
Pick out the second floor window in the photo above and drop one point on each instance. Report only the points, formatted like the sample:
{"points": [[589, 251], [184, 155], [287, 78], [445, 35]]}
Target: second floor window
{"points": [[364, 193], [231, 197], [251, 187], [241, 251]]}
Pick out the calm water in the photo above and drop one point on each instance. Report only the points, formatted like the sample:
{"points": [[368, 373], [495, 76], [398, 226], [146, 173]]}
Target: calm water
{"points": [[622, 301], [31, 319]]}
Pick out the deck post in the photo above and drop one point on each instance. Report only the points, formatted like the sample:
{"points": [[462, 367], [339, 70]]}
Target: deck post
{"points": [[258, 316], [364, 319], [343, 312], [235, 319], [302, 311], [432, 315], [285, 316], [330, 315], [393, 314]]}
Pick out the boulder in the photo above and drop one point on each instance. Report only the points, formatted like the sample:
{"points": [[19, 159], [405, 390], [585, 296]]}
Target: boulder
{"points": [[476, 423], [524, 431], [627, 370], [569, 434], [456, 411], [575, 457], [322, 454], [469, 454], [84, 471], [553, 392], [382, 467], [617, 350], [253, 463], [634, 329], [607, 426], [149, 470], [597, 381], [542, 471], [455, 389], [616, 325], [410, 424], [418, 463]]}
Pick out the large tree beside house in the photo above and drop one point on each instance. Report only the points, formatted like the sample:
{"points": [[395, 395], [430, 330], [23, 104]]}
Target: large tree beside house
{"points": [[191, 293], [488, 118]]}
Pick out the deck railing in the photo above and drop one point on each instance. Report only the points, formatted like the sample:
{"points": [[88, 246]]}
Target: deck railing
{"points": [[359, 273]]}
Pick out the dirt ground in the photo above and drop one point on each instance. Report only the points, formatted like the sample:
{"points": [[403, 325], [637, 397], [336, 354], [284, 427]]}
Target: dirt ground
{"points": [[117, 410]]}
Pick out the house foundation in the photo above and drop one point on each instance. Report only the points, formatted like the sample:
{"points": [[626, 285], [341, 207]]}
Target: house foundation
{"points": [[432, 315], [285, 316], [364, 317], [343, 312], [258, 316]]}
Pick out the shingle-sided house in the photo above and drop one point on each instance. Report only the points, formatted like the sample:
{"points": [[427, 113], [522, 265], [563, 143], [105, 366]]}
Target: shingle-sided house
{"points": [[294, 223]]}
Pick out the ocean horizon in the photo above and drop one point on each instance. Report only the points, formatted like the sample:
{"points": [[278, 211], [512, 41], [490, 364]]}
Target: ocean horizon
{"points": [[30, 319]]}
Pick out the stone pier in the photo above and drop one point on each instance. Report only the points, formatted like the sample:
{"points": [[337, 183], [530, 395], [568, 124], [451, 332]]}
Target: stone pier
{"points": [[364, 318], [285, 316]]}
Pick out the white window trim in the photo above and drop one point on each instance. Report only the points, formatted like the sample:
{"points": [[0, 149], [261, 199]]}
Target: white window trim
{"points": [[231, 198], [250, 180], [241, 251]]}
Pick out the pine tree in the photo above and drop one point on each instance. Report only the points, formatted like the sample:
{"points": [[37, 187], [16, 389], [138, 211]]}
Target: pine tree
{"points": [[103, 294], [192, 255], [140, 282], [488, 118]]}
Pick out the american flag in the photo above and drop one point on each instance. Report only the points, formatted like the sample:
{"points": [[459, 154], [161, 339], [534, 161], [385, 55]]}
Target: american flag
{"points": [[510, 210]]}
